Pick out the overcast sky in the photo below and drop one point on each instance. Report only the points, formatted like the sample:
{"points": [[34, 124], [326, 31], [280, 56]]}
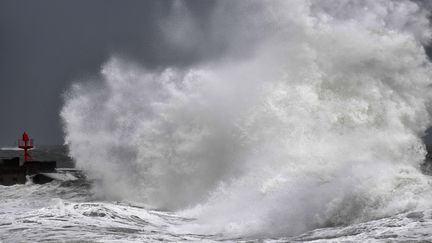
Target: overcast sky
{"points": [[45, 45]]}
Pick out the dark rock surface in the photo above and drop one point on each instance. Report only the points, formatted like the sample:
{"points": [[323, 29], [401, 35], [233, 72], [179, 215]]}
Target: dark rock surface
{"points": [[427, 164]]}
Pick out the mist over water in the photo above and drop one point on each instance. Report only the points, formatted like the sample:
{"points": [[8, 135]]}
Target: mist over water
{"points": [[312, 116]]}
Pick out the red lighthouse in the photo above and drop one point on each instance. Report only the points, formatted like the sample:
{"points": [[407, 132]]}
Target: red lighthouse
{"points": [[26, 143]]}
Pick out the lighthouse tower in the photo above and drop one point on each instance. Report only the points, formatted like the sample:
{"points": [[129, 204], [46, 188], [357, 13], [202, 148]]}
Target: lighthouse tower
{"points": [[26, 143]]}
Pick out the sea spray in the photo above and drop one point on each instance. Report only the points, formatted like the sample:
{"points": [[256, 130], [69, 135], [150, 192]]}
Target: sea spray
{"points": [[311, 117]]}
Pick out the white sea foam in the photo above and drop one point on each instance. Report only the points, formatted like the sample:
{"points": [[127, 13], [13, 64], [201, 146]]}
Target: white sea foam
{"points": [[10, 148], [59, 212], [312, 117]]}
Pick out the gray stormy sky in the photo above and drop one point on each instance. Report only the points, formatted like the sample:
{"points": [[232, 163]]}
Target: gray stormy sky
{"points": [[45, 45]]}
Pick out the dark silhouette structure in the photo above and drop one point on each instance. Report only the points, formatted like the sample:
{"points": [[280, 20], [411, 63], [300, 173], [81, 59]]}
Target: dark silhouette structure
{"points": [[13, 172]]}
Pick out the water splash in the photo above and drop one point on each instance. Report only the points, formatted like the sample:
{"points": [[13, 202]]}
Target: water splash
{"points": [[312, 117]]}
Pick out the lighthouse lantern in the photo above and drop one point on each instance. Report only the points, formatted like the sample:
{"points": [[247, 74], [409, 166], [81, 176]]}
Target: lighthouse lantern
{"points": [[26, 144]]}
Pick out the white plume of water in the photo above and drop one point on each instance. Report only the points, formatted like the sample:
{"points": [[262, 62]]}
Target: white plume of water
{"points": [[312, 117]]}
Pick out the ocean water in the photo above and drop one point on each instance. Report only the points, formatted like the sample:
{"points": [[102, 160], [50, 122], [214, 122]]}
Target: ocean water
{"points": [[69, 212], [307, 125]]}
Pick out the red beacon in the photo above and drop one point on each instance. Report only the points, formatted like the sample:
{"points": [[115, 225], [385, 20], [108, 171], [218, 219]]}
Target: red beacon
{"points": [[26, 143]]}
